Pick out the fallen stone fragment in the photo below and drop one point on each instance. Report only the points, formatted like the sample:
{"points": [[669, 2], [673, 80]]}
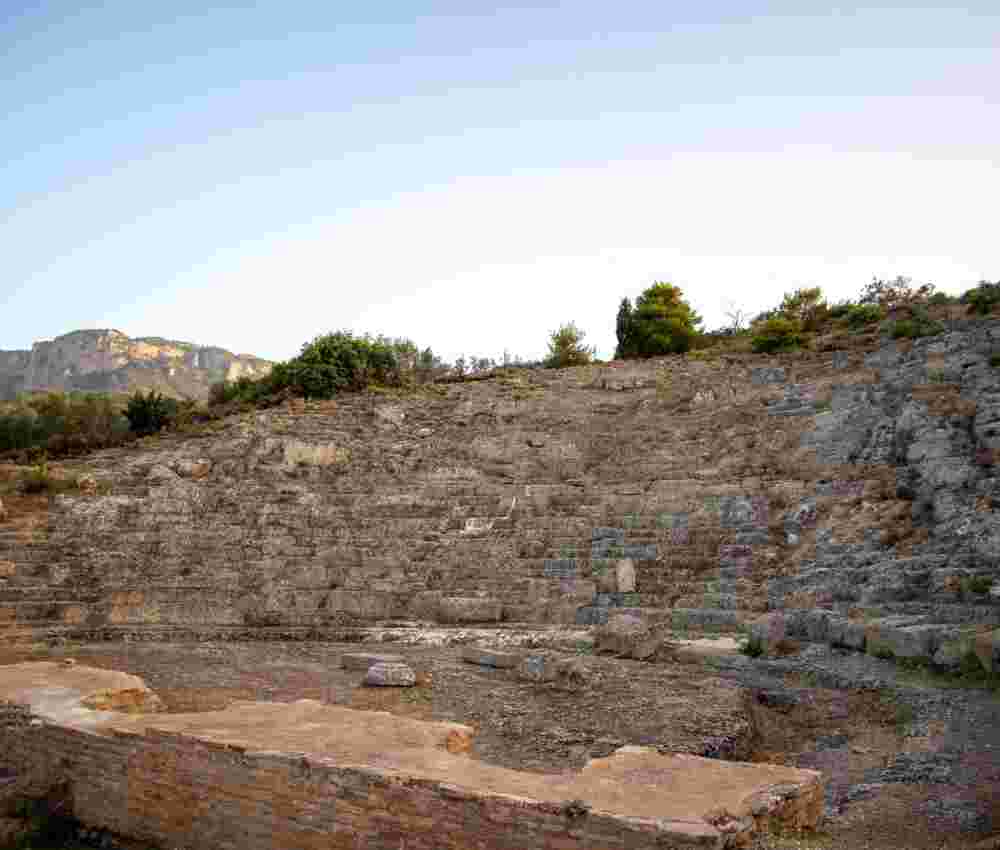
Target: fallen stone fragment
{"points": [[490, 657], [364, 661], [631, 636], [566, 672], [3, 511], [86, 484], [391, 674]]}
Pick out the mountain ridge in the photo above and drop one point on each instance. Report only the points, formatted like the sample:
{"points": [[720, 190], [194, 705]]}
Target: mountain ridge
{"points": [[108, 360]]}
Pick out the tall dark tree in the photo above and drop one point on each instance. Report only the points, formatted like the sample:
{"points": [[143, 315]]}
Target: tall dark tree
{"points": [[625, 331]]}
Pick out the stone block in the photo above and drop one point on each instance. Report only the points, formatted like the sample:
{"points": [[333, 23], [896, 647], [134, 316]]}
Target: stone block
{"points": [[629, 635], [559, 568], [846, 633], [816, 624], [491, 658], [591, 615], [569, 673], [389, 674], [472, 609], [625, 576], [764, 375], [365, 660]]}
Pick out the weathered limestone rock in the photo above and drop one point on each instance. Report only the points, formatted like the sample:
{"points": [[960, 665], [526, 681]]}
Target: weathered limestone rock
{"points": [[127, 700], [625, 574], [900, 637], [391, 674], [193, 468], [456, 609], [846, 633], [491, 658], [768, 631], [161, 474], [631, 636], [70, 694], [299, 454], [364, 661]]}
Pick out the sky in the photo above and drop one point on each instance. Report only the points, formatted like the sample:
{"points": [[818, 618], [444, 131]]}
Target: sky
{"points": [[472, 176]]}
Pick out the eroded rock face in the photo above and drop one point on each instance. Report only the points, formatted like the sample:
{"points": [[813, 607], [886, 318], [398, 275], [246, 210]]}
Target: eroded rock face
{"points": [[110, 361]]}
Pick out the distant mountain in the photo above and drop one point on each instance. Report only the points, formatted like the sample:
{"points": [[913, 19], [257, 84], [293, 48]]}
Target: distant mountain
{"points": [[110, 361]]}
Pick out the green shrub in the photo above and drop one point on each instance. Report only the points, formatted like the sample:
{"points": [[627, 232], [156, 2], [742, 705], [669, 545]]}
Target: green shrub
{"points": [[661, 323], [941, 299], [36, 480], [806, 306], [752, 648], [840, 310], [918, 325], [857, 316], [995, 360], [983, 298], [56, 424], [566, 348], [150, 413], [777, 334], [977, 584]]}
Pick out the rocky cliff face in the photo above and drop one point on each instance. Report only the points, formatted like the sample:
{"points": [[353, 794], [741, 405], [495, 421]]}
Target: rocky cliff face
{"points": [[110, 361]]}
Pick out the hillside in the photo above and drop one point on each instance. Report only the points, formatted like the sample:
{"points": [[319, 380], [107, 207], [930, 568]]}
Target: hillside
{"points": [[857, 481], [109, 361], [838, 504]]}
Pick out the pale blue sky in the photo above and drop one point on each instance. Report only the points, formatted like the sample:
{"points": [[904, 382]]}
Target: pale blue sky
{"points": [[471, 177]]}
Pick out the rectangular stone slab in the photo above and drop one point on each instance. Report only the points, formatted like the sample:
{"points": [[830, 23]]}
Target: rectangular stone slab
{"points": [[309, 775], [490, 657], [363, 660]]}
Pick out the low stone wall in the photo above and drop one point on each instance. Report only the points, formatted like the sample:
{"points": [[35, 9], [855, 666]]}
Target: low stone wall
{"points": [[373, 780]]}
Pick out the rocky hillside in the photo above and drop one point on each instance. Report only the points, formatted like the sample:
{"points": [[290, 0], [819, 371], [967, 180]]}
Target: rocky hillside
{"points": [[847, 486], [110, 361]]}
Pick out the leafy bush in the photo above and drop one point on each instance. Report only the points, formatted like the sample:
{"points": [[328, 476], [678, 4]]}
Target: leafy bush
{"points": [[942, 299], [919, 324], [61, 424], [806, 306], [983, 298], [777, 334], [661, 323], [566, 348], [994, 360], [858, 316], [149, 413], [752, 648]]}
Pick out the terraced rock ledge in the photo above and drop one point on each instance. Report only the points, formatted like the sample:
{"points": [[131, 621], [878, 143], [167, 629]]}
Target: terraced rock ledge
{"points": [[310, 775]]}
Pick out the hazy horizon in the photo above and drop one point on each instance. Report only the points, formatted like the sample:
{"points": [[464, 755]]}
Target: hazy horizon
{"points": [[472, 177]]}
